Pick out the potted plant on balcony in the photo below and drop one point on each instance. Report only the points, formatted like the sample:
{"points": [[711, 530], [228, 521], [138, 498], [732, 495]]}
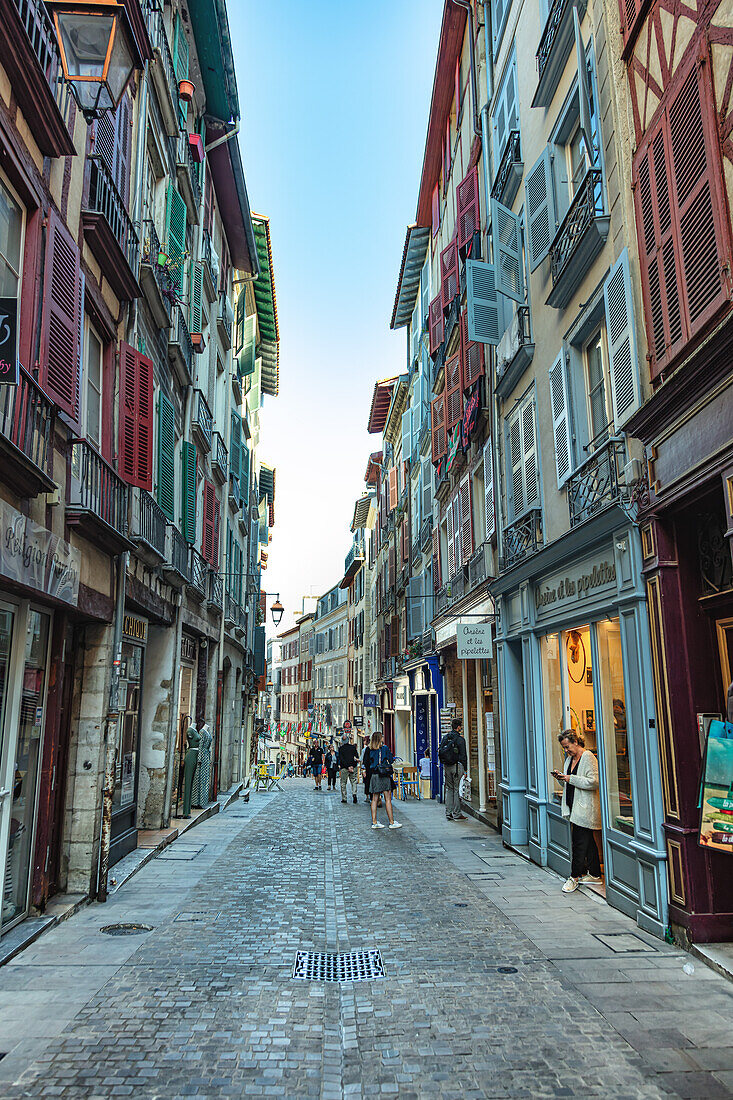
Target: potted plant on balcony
{"points": [[196, 145], [186, 89], [197, 339]]}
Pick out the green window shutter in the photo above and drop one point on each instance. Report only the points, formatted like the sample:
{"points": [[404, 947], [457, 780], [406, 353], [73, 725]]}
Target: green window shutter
{"points": [[175, 234], [244, 474], [239, 324], [188, 509], [230, 556], [246, 359], [166, 457], [195, 314], [235, 445], [180, 64]]}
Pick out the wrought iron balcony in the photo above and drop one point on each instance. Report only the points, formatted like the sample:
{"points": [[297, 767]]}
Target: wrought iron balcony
{"points": [[354, 558], [596, 485], [426, 533], [235, 496], [198, 583], [522, 537], [26, 433], [202, 422], [97, 499], [109, 232], [189, 180], [156, 283], [211, 266], [578, 240], [479, 567], [231, 611], [180, 348], [514, 352], [225, 321], [556, 43], [176, 568], [510, 170], [219, 458], [216, 591], [148, 527], [30, 57], [164, 74], [441, 599], [457, 586]]}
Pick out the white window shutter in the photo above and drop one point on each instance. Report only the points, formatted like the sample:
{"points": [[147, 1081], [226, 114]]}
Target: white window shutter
{"points": [[505, 112], [451, 543], [427, 488], [507, 238], [406, 436], [457, 524], [416, 415], [540, 208], [415, 609], [560, 419], [483, 302], [514, 450], [529, 449], [489, 510], [624, 365], [415, 329]]}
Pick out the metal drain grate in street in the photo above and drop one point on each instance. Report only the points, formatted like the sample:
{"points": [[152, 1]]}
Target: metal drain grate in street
{"points": [[199, 915], [126, 929], [356, 966]]}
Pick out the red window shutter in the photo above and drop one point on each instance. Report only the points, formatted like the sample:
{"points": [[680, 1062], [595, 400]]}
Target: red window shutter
{"points": [[29, 289], [436, 560], [453, 391], [435, 208], [395, 636], [207, 537], [435, 324], [682, 223], [144, 422], [437, 423], [448, 274], [472, 355], [468, 211], [61, 325], [393, 490], [466, 519], [632, 13], [215, 543], [390, 567], [136, 418]]}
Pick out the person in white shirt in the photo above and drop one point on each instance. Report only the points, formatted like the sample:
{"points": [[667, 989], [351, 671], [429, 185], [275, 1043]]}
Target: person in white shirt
{"points": [[424, 766]]}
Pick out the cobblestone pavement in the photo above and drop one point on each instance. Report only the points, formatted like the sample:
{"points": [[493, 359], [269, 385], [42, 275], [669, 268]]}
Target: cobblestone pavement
{"points": [[497, 985]]}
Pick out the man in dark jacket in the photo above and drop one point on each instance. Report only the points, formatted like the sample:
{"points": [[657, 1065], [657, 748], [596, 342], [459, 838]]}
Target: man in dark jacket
{"points": [[316, 760], [348, 761], [454, 772]]}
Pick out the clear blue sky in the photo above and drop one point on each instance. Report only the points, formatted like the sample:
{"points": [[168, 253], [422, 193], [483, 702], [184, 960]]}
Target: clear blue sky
{"points": [[334, 100]]}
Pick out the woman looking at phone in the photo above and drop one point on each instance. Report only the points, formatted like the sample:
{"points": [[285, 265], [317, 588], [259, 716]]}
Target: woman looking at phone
{"points": [[581, 804]]}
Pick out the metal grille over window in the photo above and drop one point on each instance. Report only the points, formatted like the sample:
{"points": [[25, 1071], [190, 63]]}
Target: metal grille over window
{"points": [[356, 966]]}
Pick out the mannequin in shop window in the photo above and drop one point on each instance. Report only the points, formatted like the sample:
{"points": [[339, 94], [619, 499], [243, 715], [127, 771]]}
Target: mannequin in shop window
{"points": [[581, 804], [193, 740], [202, 779]]}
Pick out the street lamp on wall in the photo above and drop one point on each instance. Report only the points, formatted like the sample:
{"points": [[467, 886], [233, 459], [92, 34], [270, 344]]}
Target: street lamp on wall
{"points": [[98, 51], [277, 610]]}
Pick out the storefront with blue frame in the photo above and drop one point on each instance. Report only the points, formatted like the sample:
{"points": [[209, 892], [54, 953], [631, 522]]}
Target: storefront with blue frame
{"points": [[573, 653], [426, 694]]}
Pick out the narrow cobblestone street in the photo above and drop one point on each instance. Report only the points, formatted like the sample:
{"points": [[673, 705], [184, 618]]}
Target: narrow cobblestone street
{"points": [[496, 984]]}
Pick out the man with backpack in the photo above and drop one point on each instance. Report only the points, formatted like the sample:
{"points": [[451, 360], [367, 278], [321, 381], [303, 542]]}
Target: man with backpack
{"points": [[452, 755]]}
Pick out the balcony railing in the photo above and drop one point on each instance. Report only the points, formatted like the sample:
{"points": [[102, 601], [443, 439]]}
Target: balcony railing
{"points": [[235, 496], [176, 568], [115, 242], [596, 485], [522, 537], [216, 590], [154, 278], [509, 172], [180, 348], [426, 533], [163, 71], [514, 352], [96, 498], [211, 271], [220, 457], [188, 176], [198, 573], [202, 422], [26, 426], [581, 234], [554, 49], [148, 525], [356, 553], [32, 68], [478, 566], [225, 320], [42, 37]]}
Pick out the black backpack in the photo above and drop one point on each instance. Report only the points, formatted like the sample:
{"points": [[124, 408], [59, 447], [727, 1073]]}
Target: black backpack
{"points": [[448, 750]]}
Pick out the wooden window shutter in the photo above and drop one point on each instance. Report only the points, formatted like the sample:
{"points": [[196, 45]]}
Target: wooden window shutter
{"points": [[435, 209], [482, 303], [489, 505], [451, 541], [540, 207], [394, 634], [529, 455], [62, 314], [514, 454], [457, 530], [244, 473], [437, 424], [166, 457], [175, 235], [466, 519], [136, 418], [630, 11], [188, 494], [468, 208], [390, 567], [195, 294], [624, 365], [507, 237], [123, 148], [435, 324], [207, 534], [560, 419], [436, 559], [215, 542], [393, 488], [472, 355], [453, 391], [235, 445], [448, 273]]}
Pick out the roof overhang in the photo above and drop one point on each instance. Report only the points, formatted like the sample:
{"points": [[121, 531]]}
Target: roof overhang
{"points": [[381, 399], [362, 510], [374, 465], [227, 174], [449, 49], [210, 26], [393, 425], [408, 283]]}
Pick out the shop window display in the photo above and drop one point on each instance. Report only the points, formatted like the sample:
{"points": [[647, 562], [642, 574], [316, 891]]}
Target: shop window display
{"points": [[568, 693], [615, 737]]}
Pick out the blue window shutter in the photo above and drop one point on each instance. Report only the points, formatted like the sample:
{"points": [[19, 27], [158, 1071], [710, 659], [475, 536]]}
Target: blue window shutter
{"points": [[483, 302], [406, 436], [507, 237], [540, 207], [624, 365], [560, 419]]}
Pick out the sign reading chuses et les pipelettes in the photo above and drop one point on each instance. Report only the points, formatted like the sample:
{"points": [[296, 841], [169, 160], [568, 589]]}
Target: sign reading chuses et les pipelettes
{"points": [[473, 641], [577, 584]]}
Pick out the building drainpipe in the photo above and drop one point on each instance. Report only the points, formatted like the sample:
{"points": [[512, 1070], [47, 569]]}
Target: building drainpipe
{"points": [[110, 732]]}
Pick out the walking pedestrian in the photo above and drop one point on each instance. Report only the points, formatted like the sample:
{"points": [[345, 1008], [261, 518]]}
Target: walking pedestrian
{"points": [[316, 759], [348, 761], [425, 773], [582, 805], [453, 757], [381, 761], [366, 767], [332, 768]]}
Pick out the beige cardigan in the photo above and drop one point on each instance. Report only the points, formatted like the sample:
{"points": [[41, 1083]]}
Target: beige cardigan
{"points": [[586, 809]]}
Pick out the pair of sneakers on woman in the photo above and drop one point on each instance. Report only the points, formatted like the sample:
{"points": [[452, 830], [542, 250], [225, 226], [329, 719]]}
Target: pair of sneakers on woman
{"points": [[394, 825], [584, 880]]}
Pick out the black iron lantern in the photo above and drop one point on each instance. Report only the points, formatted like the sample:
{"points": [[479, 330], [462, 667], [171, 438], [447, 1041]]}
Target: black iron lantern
{"points": [[98, 50], [277, 610]]}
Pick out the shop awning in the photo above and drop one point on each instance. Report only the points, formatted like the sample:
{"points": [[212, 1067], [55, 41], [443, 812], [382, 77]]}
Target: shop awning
{"points": [[408, 283], [381, 399], [266, 305]]}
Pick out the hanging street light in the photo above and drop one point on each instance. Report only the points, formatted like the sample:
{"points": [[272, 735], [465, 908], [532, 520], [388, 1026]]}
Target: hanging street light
{"points": [[277, 610], [99, 52]]}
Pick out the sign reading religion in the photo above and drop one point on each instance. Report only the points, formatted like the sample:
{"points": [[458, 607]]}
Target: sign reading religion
{"points": [[716, 814], [34, 556], [473, 641]]}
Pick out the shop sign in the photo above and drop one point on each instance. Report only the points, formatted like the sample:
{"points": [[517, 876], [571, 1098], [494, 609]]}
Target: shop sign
{"points": [[347, 726], [34, 556], [473, 641], [575, 584], [135, 628], [188, 648], [370, 700], [358, 719], [716, 812], [401, 693], [8, 341]]}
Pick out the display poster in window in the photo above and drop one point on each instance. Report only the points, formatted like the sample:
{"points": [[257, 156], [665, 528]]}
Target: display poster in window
{"points": [[716, 797], [8, 341], [34, 556], [127, 792]]}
